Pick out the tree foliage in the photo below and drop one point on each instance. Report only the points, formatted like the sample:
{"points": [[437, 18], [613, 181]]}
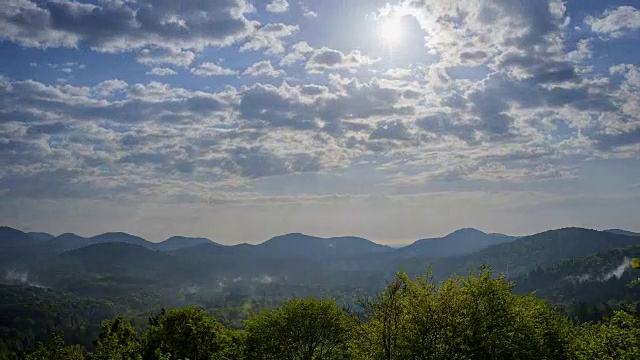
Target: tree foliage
{"points": [[189, 333], [466, 318], [474, 317], [309, 329], [117, 340], [55, 349]]}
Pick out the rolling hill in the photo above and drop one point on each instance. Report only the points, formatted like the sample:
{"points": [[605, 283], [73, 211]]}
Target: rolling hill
{"points": [[181, 242], [599, 278], [41, 236], [547, 248], [306, 246], [459, 242]]}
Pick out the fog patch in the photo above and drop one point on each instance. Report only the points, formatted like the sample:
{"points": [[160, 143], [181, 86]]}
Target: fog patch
{"points": [[14, 277], [603, 276]]}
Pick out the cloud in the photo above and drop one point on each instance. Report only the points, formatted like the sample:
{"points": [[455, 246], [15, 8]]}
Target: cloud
{"points": [[269, 37], [392, 130], [211, 69], [123, 25], [502, 96], [68, 67], [616, 22], [278, 6], [157, 71], [165, 56], [329, 59], [298, 52], [306, 11], [263, 68]]}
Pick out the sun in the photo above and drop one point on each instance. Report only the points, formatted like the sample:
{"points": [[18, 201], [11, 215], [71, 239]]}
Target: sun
{"points": [[390, 29]]}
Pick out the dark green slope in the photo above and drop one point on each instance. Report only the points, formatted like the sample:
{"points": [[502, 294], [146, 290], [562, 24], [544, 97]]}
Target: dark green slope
{"points": [[305, 246], [109, 269], [459, 242], [182, 242], [602, 277], [529, 252]]}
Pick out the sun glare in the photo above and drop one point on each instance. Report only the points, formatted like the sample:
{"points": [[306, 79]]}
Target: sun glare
{"points": [[390, 29]]}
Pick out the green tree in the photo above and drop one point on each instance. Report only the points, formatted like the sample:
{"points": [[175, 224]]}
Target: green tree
{"points": [[635, 264], [55, 349], [309, 329], [378, 337], [117, 340], [477, 317], [618, 339], [189, 333]]}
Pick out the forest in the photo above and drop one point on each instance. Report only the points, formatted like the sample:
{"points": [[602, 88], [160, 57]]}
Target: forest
{"points": [[562, 294], [472, 317]]}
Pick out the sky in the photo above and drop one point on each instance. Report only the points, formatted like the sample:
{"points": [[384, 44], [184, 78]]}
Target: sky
{"points": [[239, 120]]}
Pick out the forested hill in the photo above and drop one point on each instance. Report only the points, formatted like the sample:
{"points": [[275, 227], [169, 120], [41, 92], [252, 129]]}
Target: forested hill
{"points": [[474, 317], [120, 273], [600, 278]]}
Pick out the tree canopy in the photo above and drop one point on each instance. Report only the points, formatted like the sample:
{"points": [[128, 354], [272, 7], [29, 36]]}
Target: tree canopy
{"points": [[473, 317]]}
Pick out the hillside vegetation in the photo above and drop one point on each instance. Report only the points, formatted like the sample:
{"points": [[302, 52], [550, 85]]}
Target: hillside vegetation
{"points": [[473, 317]]}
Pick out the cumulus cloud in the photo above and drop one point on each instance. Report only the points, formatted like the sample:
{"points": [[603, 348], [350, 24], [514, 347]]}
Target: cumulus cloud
{"points": [[329, 59], [263, 68], [306, 11], [157, 71], [500, 95], [211, 69], [165, 56], [124, 25], [278, 6], [297, 52], [269, 38], [616, 22]]}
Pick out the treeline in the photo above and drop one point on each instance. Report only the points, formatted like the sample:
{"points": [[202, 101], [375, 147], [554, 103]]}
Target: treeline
{"points": [[473, 317]]}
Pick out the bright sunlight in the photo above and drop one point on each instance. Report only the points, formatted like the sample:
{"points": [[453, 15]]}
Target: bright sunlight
{"points": [[390, 29]]}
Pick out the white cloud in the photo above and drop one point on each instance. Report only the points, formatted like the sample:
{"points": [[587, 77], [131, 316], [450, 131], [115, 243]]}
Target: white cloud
{"points": [[298, 52], [124, 26], [616, 22], [278, 6], [165, 56], [306, 12], [157, 71], [212, 69], [269, 37], [330, 59], [263, 68]]}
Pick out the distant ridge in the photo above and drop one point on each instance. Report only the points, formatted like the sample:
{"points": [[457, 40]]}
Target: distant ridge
{"points": [[41, 236], [622, 232], [542, 249], [181, 242], [301, 245], [460, 242]]}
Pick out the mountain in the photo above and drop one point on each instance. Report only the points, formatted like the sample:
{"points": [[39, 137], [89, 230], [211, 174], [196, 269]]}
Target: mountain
{"points": [[181, 242], [459, 242], [306, 246], [67, 241], [15, 247], [10, 236], [120, 237], [599, 278], [108, 268], [544, 249], [42, 236], [623, 232]]}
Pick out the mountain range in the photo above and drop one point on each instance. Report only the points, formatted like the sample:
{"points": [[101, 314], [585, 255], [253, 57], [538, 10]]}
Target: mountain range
{"points": [[56, 259]]}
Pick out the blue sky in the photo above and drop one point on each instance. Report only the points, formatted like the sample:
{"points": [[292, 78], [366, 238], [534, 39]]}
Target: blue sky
{"points": [[395, 120]]}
